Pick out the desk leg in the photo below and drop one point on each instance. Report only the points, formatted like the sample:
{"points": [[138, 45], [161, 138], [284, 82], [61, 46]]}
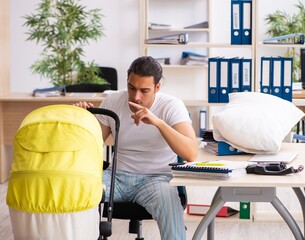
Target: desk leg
{"points": [[301, 197], [282, 210], [211, 226], [208, 218]]}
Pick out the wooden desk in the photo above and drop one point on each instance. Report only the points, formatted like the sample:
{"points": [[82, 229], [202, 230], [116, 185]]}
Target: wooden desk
{"points": [[13, 108], [299, 94], [248, 182], [299, 99]]}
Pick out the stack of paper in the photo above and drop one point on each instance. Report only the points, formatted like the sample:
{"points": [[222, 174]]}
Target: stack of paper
{"points": [[222, 169]]}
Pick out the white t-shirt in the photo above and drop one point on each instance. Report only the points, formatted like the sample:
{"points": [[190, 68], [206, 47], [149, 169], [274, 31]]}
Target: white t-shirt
{"points": [[142, 149]]}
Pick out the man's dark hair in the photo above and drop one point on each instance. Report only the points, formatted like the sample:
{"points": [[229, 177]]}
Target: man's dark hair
{"points": [[146, 66]]}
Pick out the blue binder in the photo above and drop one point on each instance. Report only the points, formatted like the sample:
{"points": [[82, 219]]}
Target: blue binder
{"points": [[224, 80], [226, 149], [246, 21], [266, 71], [202, 122], [246, 74], [287, 69], [294, 38], [213, 80], [235, 22], [276, 77], [234, 77]]}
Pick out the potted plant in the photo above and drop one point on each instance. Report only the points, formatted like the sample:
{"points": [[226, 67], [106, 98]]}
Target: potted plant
{"points": [[63, 28], [281, 23]]}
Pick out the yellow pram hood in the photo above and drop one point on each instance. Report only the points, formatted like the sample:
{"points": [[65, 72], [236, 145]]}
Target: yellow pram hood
{"points": [[58, 157]]}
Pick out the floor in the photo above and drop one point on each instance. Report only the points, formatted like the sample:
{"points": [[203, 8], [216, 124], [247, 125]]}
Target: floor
{"points": [[224, 230]]}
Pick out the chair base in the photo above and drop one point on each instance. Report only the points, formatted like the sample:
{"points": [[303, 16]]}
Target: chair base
{"points": [[135, 227], [123, 210]]}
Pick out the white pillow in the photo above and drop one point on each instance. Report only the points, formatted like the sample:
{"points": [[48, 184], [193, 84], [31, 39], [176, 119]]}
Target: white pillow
{"points": [[255, 122]]}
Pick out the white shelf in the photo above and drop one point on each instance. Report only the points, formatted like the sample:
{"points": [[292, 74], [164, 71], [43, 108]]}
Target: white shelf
{"points": [[199, 45], [184, 66], [265, 45], [195, 103], [180, 30]]}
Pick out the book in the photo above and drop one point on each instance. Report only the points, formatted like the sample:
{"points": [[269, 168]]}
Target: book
{"points": [[207, 135], [204, 24], [191, 58], [164, 60], [218, 148], [158, 26], [179, 38], [202, 209], [286, 157], [222, 169], [50, 92]]}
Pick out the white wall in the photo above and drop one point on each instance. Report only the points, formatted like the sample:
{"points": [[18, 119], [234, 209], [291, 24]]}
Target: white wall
{"points": [[117, 49], [121, 43]]}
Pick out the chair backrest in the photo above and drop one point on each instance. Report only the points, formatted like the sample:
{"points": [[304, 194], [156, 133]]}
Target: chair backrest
{"points": [[108, 73], [111, 75], [87, 87]]}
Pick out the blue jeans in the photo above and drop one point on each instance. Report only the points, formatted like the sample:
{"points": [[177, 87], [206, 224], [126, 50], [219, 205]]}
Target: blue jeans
{"points": [[155, 194]]}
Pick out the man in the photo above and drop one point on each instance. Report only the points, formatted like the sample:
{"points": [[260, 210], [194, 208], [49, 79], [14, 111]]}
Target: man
{"points": [[155, 128]]}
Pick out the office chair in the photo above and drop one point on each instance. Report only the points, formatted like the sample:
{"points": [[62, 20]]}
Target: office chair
{"points": [[136, 213], [111, 75], [108, 73]]}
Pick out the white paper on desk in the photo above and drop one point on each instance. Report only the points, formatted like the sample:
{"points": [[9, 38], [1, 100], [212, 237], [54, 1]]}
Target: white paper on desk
{"points": [[82, 94], [285, 157]]}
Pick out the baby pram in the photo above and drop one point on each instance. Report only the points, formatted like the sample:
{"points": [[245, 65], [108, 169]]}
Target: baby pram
{"points": [[55, 186]]}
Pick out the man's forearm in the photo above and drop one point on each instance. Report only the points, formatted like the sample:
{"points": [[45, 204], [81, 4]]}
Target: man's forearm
{"points": [[182, 140]]}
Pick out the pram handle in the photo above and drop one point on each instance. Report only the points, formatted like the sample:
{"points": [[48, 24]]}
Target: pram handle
{"points": [[102, 111]]}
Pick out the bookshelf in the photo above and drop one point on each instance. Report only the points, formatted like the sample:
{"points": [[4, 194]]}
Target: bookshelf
{"points": [[190, 83], [177, 76]]}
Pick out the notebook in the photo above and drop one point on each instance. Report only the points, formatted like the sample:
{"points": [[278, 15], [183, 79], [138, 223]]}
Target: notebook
{"points": [[285, 157], [212, 169]]}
